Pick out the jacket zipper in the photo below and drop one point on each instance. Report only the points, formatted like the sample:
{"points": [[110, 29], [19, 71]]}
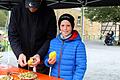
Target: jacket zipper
{"points": [[60, 59]]}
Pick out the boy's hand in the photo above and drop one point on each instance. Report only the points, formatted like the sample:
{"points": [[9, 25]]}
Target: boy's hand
{"points": [[51, 60]]}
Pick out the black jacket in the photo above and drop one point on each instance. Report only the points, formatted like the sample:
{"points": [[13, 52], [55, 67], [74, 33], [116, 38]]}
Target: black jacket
{"points": [[30, 33]]}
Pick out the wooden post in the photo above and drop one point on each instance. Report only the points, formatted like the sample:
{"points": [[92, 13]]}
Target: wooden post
{"points": [[119, 36]]}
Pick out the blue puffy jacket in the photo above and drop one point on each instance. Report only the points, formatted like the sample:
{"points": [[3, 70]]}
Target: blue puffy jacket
{"points": [[71, 57]]}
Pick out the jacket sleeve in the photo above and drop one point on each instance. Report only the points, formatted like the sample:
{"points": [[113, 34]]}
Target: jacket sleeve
{"points": [[80, 65], [13, 35], [47, 57], [46, 61], [52, 31]]}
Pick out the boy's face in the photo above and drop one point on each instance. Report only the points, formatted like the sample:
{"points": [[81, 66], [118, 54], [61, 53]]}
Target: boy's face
{"points": [[65, 28]]}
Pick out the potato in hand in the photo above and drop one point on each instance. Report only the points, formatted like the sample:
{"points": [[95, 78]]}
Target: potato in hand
{"points": [[52, 55], [30, 62]]}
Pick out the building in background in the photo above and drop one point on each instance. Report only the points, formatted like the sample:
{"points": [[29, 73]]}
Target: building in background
{"points": [[92, 30]]}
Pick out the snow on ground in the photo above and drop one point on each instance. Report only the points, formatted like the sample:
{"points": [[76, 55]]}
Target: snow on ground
{"points": [[8, 58], [102, 61]]}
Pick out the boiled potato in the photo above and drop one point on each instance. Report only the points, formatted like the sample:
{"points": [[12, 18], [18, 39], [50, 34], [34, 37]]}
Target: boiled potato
{"points": [[30, 62], [52, 55]]}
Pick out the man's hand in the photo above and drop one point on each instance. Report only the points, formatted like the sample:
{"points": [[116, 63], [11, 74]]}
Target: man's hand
{"points": [[36, 60], [22, 60]]}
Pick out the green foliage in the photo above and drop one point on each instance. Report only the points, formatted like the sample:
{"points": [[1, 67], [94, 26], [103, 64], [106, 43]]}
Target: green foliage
{"points": [[3, 18], [103, 14]]}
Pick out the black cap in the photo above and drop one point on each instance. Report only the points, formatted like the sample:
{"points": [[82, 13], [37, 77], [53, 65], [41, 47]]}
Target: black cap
{"points": [[32, 3], [68, 17]]}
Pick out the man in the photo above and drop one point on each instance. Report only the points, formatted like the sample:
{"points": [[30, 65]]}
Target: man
{"points": [[31, 28]]}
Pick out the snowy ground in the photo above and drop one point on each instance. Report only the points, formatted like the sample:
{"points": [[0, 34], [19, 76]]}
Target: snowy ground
{"points": [[103, 62], [8, 58]]}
